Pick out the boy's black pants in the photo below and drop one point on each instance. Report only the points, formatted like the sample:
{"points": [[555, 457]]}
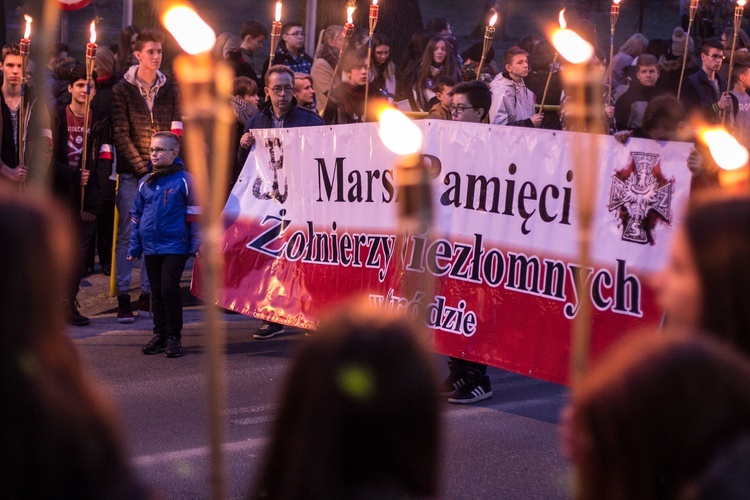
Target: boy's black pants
{"points": [[164, 273]]}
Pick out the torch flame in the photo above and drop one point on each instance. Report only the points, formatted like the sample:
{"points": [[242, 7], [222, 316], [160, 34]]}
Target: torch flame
{"points": [[27, 33], [741, 3], [374, 2], [493, 19], [616, 2], [727, 152], [278, 12], [398, 132], [349, 13], [190, 31], [569, 45], [92, 28]]}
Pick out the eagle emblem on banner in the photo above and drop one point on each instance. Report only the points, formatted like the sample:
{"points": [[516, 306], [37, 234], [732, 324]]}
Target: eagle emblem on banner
{"points": [[641, 197]]}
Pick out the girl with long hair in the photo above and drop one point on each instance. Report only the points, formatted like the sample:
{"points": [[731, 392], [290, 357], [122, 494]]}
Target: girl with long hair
{"points": [[438, 59], [382, 66]]}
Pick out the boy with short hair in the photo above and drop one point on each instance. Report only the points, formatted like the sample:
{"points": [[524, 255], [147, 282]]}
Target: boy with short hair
{"points": [[443, 89], [165, 230], [512, 102]]}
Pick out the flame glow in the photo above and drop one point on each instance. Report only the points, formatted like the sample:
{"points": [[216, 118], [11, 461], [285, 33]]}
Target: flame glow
{"points": [[27, 33], [190, 31], [349, 12], [493, 19], [278, 12], [398, 132], [727, 152], [569, 45], [374, 2], [616, 2], [741, 3], [92, 29]]}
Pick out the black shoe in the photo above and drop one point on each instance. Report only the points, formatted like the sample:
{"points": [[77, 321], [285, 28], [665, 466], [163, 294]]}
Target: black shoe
{"points": [[75, 318], [174, 347], [106, 270], [268, 331], [474, 391], [454, 381], [124, 311], [156, 345]]}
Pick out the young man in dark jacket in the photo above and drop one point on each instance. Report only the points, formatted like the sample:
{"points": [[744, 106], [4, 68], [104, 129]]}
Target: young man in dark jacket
{"points": [[67, 140], [10, 119], [143, 103], [705, 92], [631, 105]]}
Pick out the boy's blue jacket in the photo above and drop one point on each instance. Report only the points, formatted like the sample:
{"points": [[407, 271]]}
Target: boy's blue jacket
{"points": [[164, 215]]}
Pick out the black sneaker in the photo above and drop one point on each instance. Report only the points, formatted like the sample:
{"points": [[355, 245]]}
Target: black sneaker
{"points": [[472, 392], [124, 311], [454, 381], [174, 347], [75, 318], [451, 384], [268, 331], [156, 345]]}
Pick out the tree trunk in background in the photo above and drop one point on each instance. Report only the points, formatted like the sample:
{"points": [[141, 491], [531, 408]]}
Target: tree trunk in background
{"points": [[398, 19]]}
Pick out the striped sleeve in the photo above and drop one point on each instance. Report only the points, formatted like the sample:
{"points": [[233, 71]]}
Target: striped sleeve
{"points": [[193, 209], [47, 135], [176, 128], [105, 152]]}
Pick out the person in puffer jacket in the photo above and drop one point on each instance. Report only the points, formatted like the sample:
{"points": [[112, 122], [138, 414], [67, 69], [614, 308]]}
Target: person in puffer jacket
{"points": [[164, 229], [512, 101]]}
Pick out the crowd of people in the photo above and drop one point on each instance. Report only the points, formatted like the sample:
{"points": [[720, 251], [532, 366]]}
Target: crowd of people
{"points": [[366, 375]]}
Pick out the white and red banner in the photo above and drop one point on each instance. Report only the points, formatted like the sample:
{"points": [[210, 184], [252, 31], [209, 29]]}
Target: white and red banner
{"points": [[312, 220]]}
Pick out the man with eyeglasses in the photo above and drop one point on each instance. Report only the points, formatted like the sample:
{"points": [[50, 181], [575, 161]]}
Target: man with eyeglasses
{"points": [[280, 111], [291, 50], [705, 92], [467, 381], [471, 102]]}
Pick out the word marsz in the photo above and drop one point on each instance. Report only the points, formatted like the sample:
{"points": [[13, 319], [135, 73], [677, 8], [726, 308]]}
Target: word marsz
{"points": [[470, 262], [468, 191]]}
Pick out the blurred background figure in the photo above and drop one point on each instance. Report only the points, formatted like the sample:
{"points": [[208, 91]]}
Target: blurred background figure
{"points": [[707, 281], [61, 433], [649, 418], [326, 57], [125, 48], [358, 415]]}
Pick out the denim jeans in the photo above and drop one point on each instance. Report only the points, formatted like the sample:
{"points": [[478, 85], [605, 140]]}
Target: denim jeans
{"points": [[124, 268]]}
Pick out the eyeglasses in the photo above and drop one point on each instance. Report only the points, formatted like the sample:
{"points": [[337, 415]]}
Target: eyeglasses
{"points": [[160, 150], [715, 57], [296, 33], [460, 109], [278, 89]]}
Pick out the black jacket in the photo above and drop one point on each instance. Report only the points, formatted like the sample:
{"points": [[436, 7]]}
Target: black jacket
{"points": [[698, 95]]}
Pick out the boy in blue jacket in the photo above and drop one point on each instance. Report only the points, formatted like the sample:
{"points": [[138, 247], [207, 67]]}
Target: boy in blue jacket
{"points": [[165, 230]]}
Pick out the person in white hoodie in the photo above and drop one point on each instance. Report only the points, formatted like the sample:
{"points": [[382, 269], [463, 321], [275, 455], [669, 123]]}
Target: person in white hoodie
{"points": [[512, 101]]}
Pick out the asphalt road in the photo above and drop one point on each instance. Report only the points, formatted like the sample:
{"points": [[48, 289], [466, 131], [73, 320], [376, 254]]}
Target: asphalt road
{"points": [[505, 447]]}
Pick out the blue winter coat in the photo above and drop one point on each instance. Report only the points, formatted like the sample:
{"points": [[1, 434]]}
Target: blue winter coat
{"points": [[163, 216]]}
